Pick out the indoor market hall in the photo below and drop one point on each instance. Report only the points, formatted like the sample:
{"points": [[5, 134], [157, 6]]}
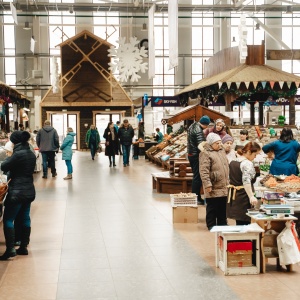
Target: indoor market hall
{"points": [[107, 234]]}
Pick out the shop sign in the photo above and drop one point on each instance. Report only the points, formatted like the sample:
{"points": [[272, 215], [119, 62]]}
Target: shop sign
{"points": [[164, 101]]}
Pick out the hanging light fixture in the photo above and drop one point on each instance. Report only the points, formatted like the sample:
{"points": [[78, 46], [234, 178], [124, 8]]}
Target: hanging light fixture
{"points": [[26, 26], [257, 26], [233, 39], [289, 9], [144, 27]]}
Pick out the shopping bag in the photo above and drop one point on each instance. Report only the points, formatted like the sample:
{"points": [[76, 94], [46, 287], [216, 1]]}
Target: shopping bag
{"points": [[3, 190], [287, 247]]}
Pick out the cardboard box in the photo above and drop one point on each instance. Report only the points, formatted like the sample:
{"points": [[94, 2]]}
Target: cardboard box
{"points": [[185, 214], [239, 254]]}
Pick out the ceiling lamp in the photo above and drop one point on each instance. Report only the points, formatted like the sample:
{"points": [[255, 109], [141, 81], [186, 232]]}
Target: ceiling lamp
{"points": [[257, 26], [144, 28], [71, 9], [233, 39], [26, 26], [289, 9]]}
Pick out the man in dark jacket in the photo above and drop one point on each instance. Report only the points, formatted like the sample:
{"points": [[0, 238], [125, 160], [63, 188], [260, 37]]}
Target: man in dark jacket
{"points": [[48, 142], [195, 136], [125, 134]]}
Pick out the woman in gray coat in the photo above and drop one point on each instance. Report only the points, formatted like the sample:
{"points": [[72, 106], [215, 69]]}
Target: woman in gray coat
{"points": [[67, 151]]}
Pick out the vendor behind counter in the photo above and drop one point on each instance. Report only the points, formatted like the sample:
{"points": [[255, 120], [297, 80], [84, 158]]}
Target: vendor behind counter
{"points": [[286, 150]]}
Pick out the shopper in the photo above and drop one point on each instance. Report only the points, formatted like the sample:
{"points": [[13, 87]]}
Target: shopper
{"points": [[67, 151], [219, 128], [111, 143], [117, 126], [243, 140], [227, 142], [125, 135], [21, 192], [169, 129], [92, 140], [286, 150], [48, 142], [195, 136], [214, 172], [242, 177], [141, 130], [159, 136]]}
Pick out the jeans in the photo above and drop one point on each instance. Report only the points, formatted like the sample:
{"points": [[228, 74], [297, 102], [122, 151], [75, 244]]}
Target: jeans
{"points": [[197, 182], [93, 148], [69, 166], [126, 154], [48, 159], [12, 210]]}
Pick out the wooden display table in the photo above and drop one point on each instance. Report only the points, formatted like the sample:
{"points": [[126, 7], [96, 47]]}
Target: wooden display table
{"points": [[164, 183], [246, 264], [272, 227]]}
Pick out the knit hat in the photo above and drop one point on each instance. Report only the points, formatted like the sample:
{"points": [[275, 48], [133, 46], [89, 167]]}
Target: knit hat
{"points": [[9, 146], [227, 138], [19, 137], [220, 121], [205, 120], [212, 138]]}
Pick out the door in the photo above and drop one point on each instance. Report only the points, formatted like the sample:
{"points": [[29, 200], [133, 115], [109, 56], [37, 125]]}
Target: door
{"points": [[61, 121], [102, 121]]}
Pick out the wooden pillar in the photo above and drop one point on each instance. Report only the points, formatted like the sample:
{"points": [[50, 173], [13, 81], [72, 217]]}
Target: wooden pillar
{"points": [[252, 115], [292, 112], [228, 99], [261, 113]]}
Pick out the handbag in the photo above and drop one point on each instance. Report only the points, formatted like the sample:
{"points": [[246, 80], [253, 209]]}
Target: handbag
{"points": [[3, 190]]}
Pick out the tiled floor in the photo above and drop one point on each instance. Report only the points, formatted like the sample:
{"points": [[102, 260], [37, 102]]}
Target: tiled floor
{"points": [[107, 235]]}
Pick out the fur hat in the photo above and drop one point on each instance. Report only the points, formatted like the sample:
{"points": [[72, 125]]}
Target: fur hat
{"points": [[227, 138], [205, 120], [19, 137], [220, 121], [9, 146], [212, 138]]}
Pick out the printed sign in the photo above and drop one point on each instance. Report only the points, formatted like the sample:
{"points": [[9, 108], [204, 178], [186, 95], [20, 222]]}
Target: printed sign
{"points": [[164, 101]]}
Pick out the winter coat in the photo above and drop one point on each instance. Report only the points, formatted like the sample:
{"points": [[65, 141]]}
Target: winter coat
{"points": [[21, 168], [214, 171], [286, 154], [88, 136], [111, 146], [159, 137], [47, 139], [66, 146], [126, 135], [195, 136]]}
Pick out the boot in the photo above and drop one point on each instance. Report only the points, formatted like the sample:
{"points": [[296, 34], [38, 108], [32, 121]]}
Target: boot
{"points": [[10, 251], [45, 176], [24, 241], [69, 176]]}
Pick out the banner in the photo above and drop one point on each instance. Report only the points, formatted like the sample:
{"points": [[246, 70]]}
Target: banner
{"points": [[173, 33], [164, 101], [151, 43]]}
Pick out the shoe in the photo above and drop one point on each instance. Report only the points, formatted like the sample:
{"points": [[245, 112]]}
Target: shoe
{"points": [[128, 164], [93, 158], [22, 251], [44, 176], [114, 165], [124, 165], [54, 174], [200, 202], [69, 176], [110, 164]]}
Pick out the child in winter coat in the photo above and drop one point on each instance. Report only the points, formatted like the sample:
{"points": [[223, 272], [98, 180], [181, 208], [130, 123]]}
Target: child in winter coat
{"points": [[67, 151], [214, 172]]}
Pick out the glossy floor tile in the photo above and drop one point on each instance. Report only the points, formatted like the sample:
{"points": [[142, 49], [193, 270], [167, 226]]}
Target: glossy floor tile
{"points": [[106, 234]]}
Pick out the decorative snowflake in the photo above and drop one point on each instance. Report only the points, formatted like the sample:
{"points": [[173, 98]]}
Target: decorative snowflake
{"points": [[128, 59]]}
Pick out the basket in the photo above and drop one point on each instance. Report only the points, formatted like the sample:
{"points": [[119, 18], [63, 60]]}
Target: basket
{"points": [[183, 199]]}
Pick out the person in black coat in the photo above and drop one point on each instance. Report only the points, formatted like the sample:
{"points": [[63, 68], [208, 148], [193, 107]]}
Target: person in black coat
{"points": [[21, 192], [126, 134], [111, 143]]}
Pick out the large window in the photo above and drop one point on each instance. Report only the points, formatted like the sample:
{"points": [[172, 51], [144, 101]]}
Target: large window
{"points": [[164, 78], [9, 50], [202, 39]]}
